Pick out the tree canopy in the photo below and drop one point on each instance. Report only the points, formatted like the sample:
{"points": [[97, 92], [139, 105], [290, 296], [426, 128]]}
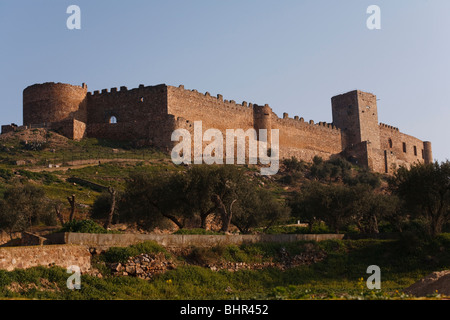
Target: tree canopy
{"points": [[203, 190], [425, 191]]}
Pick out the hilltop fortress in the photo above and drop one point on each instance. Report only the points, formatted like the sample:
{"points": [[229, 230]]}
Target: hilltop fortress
{"points": [[148, 115]]}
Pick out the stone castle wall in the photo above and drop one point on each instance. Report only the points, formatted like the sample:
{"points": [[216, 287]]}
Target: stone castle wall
{"points": [[127, 105], [149, 115], [214, 112], [297, 137], [401, 149], [139, 115], [305, 140]]}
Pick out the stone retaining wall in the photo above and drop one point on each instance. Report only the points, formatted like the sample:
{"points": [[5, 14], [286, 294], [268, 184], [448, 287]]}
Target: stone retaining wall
{"points": [[59, 255]]}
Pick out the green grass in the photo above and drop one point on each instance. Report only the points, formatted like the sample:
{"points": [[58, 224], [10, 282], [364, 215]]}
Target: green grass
{"points": [[316, 229], [121, 254], [338, 276], [84, 226], [64, 151], [194, 282]]}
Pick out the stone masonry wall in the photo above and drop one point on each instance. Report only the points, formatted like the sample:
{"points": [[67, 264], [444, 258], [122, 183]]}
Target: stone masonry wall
{"points": [[297, 138], [305, 140], [60, 255], [70, 128], [346, 117], [173, 240], [402, 149], [214, 112], [368, 118], [127, 105], [140, 114]]}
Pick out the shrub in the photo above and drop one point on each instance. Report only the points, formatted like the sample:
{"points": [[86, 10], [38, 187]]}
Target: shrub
{"points": [[317, 228], [46, 177], [22, 207], [202, 256], [293, 164], [364, 177], [235, 254], [82, 226], [6, 174], [102, 206], [121, 254], [34, 145], [197, 231]]}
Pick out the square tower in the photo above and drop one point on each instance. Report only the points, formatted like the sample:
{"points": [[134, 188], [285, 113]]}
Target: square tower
{"points": [[356, 114]]}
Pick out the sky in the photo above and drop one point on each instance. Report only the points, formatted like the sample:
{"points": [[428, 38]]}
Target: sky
{"points": [[291, 54]]}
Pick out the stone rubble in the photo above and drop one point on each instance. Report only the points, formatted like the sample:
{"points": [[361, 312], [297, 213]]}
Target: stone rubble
{"points": [[144, 266], [287, 262]]}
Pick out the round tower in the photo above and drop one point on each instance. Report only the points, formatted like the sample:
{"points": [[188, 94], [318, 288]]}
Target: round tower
{"points": [[53, 102], [427, 152], [262, 119]]}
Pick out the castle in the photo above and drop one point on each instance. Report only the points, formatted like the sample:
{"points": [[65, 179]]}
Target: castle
{"points": [[148, 115]]}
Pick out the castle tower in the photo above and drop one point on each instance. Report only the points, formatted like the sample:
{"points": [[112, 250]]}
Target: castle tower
{"points": [[427, 152], [54, 102], [356, 114], [262, 119]]}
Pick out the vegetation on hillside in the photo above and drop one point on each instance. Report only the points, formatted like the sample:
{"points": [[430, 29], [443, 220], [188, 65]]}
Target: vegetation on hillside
{"points": [[328, 195]]}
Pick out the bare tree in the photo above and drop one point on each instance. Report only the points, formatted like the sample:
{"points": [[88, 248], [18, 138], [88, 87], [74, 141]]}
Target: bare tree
{"points": [[112, 192], [57, 207], [72, 206], [225, 214]]}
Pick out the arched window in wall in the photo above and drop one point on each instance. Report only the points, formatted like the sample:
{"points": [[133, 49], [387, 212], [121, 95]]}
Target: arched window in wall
{"points": [[390, 143], [113, 120]]}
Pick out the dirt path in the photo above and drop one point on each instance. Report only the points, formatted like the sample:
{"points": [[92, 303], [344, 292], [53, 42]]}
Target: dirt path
{"points": [[77, 164]]}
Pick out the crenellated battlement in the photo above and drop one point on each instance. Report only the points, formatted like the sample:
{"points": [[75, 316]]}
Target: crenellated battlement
{"points": [[124, 90], [386, 126], [217, 100], [299, 122], [246, 107]]}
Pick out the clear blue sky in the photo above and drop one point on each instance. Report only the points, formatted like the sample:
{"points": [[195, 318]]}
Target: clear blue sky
{"points": [[294, 55]]}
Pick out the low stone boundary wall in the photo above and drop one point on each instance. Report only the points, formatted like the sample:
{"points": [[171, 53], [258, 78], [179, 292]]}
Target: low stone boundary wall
{"points": [[30, 239], [59, 255], [5, 237], [174, 240], [86, 183]]}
